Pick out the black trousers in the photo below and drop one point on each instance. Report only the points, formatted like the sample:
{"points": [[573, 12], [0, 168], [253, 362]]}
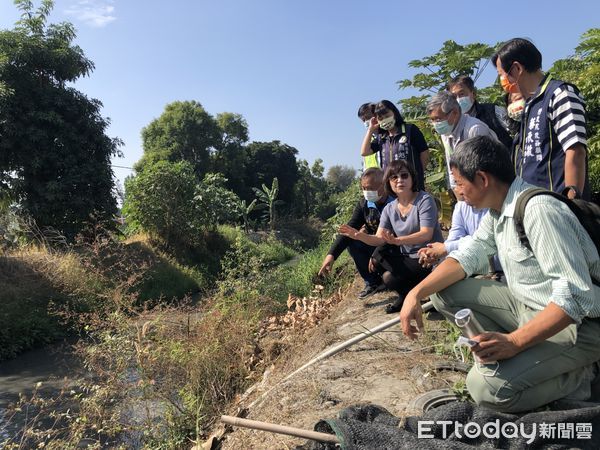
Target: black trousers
{"points": [[400, 272]]}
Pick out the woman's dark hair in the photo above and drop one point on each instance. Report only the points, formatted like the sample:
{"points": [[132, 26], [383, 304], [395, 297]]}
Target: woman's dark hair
{"points": [[482, 153], [519, 50], [394, 168], [385, 105]]}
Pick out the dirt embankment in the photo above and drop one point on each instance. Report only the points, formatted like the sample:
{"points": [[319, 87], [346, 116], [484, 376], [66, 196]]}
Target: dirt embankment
{"points": [[387, 369]]}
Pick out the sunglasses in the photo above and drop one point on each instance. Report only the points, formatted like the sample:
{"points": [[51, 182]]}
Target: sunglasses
{"points": [[401, 175]]}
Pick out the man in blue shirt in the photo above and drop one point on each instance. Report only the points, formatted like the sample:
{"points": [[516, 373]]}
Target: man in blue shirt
{"points": [[465, 220]]}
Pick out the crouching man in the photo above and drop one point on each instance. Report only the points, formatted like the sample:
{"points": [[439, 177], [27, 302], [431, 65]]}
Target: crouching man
{"points": [[542, 339], [366, 216]]}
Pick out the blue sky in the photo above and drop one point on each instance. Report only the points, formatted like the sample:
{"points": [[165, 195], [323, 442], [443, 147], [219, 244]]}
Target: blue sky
{"points": [[297, 71]]}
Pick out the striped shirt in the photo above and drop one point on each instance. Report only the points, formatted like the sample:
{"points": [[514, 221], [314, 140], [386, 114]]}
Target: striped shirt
{"points": [[566, 111], [559, 268]]}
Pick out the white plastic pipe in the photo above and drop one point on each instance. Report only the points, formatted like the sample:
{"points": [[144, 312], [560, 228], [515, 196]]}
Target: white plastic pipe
{"points": [[338, 348]]}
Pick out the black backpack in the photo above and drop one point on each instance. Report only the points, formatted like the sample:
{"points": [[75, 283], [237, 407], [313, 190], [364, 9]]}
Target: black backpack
{"points": [[587, 213]]}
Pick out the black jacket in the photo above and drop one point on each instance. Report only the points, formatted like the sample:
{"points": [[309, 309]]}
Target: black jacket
{"points": [[363, 214]]}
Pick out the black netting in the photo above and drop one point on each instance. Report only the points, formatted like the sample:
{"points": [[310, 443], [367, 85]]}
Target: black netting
{"points": [[370, 427]]}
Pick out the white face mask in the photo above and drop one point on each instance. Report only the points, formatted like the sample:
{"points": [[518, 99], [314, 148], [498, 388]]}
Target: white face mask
{"points": [[371, 196], [515, 109], [387, 123], [367, 123]]}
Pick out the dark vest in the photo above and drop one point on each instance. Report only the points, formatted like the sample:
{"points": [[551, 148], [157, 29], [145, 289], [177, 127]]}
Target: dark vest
{"points": [[399, 147], [372, 213], [486, 112], [538, 156]]}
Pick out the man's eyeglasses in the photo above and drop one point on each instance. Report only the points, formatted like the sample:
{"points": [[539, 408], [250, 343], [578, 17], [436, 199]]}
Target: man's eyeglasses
{"points": [[401, 175]]}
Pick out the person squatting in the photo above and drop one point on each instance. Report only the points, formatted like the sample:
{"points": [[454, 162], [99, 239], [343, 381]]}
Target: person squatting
{"points": [[542, 315]]}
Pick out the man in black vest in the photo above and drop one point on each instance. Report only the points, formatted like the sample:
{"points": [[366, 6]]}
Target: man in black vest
{"points": [[366, 215], [494, 116], [550, 150]]}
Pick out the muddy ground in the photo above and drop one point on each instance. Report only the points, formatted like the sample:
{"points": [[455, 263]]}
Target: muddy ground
{"points": [[387, 369]]}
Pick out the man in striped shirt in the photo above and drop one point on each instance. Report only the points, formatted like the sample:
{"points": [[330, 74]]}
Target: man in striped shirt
{"points": [[550, 150], [542, 328]]}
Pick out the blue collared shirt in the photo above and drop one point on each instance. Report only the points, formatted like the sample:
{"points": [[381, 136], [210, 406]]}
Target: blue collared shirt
{"points": [[465, 221]]}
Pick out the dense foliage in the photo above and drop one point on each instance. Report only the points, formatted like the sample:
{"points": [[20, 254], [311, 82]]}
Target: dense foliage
{"points": [[54, 153], [160, 200], [581, 69]]}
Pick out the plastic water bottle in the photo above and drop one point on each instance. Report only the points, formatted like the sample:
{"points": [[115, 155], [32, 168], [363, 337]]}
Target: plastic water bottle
{"points": [[466, 321]]}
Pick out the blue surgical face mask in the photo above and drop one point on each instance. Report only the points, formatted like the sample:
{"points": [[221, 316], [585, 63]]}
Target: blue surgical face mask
{"points": [[465, 104], [371, 196], [443, 127]]}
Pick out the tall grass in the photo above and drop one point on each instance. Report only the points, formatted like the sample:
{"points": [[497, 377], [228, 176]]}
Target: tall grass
{"points": [[34, 282], [189, 361]]}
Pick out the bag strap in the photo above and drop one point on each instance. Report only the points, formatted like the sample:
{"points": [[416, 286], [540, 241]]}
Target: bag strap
{"points": [[519, 214]]}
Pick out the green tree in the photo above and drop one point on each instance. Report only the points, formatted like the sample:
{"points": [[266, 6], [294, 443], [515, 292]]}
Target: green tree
{"points": [[583, 70], [214, 203], [437, 70], [183, 132], [246, 210], [160, 201], [54, 153], [340, 177], [267, 199], [230, 155], [312, 193], [450, 61], [269, 160]]}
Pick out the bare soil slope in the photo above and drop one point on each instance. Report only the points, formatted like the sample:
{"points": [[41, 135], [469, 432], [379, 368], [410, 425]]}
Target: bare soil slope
{"points": [[387, 369]]}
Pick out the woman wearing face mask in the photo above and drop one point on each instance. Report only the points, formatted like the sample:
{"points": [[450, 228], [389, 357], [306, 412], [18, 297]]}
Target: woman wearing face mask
{"points": [[398, 140], [515, 104], [407, 224]]}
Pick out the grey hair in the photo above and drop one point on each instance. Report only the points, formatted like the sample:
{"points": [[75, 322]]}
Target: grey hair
{"points": [[444, 100], [372, 172], [482, 153]]}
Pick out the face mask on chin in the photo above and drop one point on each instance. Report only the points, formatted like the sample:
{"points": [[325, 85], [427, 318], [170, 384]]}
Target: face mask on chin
{"points": [[371, 196], [387, 123], [515, 110]]}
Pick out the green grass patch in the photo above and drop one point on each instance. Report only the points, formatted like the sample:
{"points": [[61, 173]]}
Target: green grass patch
{"points": [[168, 280], [32, 283]]}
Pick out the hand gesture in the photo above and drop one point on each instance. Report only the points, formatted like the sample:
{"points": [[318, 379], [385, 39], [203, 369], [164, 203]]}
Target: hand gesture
{"points": [[411, 311], [348, 231], [372, 267], [373, 125], [430, 255], [326, 266], [389, 237]]}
